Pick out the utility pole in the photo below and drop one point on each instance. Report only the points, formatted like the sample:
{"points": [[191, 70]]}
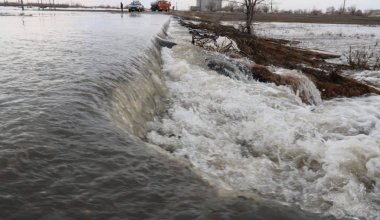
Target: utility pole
{"points": [[344, 6], [271, 6], [22, 5]]}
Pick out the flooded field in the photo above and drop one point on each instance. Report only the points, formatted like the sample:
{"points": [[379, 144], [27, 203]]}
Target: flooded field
{"points": [[98, 121], [332, 38]]}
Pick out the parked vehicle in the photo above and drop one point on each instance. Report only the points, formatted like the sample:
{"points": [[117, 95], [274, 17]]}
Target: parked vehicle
{"points": [[160, 6], [135, 6]]}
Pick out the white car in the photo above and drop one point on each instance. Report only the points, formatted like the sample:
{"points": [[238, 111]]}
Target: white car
{"points": [[135, 6]]}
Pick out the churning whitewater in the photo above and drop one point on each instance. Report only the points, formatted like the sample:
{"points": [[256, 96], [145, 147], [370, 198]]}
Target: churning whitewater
{"points": [[261, 138], [82, 93]]}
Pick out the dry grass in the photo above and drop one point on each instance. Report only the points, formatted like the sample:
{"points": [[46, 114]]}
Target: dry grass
{"points": [[362, 59]]}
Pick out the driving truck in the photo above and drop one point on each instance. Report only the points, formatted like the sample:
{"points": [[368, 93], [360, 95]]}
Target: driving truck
{"points": [[160, 6]]}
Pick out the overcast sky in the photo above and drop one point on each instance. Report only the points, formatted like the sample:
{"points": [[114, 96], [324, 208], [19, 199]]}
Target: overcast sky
{"points": [[281, 4]]}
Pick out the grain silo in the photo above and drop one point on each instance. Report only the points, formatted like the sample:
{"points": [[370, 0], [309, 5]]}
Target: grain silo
{"points": [[209, 5]]}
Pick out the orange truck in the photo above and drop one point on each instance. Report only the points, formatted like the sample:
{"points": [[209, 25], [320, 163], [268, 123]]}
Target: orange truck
{"points": [[160, 6]]}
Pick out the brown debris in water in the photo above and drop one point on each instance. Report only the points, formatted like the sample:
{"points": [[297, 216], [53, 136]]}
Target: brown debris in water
{"points": [[262, 74]]}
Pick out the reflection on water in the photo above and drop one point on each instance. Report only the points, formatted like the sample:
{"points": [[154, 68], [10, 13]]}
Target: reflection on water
{"points": [[60, 154], [75, 89]]}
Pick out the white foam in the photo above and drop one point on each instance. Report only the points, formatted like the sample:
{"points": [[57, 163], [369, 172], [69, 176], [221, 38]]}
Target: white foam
{"points": [[305, 87], [367, 76], [261, 137]]}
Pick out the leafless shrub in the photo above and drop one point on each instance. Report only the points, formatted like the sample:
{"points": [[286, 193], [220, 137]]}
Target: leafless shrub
{"points": [[359, 13], [376, 66], [264, 8], [362, 59], [316, 12], [299, 12], [351, 10]]}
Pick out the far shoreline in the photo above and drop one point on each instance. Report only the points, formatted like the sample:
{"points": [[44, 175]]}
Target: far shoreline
{"points": [[125, 11], [239, 16], [278, 17]]}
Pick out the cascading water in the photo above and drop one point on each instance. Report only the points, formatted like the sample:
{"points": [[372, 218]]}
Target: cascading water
{"points": [[302, 86], [239, 69], [78, 91], [258, 137], [137, 100]]}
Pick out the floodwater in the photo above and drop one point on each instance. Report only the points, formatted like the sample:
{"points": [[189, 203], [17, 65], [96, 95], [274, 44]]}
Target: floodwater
{"points": [[87, 98], [261, 138]]}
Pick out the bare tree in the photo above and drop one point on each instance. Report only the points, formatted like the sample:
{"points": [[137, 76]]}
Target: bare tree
{"points": [[265, 8], [359, 12], [298, 11], [351, 10], [250, 9]]}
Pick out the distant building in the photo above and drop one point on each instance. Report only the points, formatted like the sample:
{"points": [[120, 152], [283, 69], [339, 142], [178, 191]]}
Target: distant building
{"points": [[374, 13], [209, 5]]}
